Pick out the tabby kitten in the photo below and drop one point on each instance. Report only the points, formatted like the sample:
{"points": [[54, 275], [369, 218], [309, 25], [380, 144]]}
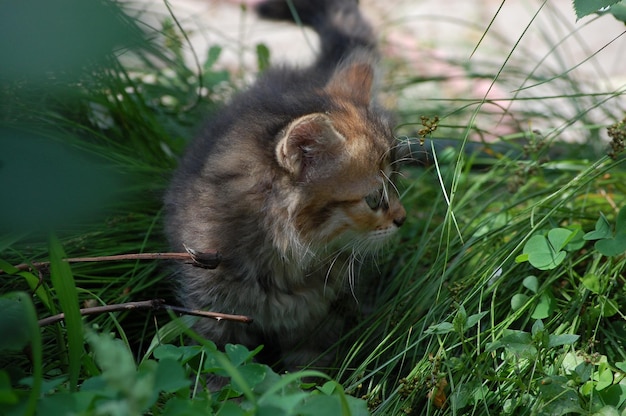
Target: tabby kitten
{"points": [[291, 183]]}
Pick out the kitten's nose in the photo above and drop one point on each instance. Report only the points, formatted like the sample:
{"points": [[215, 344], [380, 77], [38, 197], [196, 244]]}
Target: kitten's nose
{"points": [[398, 221], [398, 214]]}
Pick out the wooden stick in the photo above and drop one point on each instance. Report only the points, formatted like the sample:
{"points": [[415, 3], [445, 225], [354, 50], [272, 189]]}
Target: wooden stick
{"points": [[155, 304], [204, 259]]}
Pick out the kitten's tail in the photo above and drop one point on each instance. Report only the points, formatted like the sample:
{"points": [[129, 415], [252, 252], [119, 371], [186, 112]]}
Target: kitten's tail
{"points": [[340, 25]]}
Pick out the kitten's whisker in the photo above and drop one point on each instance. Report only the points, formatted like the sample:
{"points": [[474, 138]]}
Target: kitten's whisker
{"points": [[330, 267], [389, 181], [388, 152], [402, 160], [398, 173], [351, 276]]}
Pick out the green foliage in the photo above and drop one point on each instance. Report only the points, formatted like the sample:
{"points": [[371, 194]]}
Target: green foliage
{"points": [[127, 121], [502, 327], [65, 289], [507, 294], [163, 385], [586, 7], [608, 243], [546, 252], [19, 330], [88, 31]]}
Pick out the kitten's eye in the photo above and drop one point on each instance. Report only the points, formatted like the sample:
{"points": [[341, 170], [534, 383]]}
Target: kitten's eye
{"points": [[375, 199]]}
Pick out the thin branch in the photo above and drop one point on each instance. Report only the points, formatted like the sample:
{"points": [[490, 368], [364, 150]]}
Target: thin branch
{"points": [[214, 315], [155, 304], [204, 259]]}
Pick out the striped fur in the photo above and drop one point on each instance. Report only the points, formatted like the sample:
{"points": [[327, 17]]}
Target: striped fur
{"points": [[292, 184]]}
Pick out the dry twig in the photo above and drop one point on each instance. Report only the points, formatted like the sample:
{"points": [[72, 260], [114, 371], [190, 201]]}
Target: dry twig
{"points": [[205, 259], [155, 304]]}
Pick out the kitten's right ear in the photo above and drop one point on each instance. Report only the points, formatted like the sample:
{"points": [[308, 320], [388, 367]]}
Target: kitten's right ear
{"points": [[306, 143]]}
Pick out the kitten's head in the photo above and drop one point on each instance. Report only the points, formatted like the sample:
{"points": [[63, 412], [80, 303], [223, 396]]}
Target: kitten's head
{"points": [[340, 164]]}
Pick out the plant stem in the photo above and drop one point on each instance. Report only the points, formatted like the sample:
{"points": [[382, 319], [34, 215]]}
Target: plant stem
{"points": [[207, 259], [155, 304]]}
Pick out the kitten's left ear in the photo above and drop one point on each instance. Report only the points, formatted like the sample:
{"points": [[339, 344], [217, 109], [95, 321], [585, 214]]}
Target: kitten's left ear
{"points": [[307, 144], [354, 82]]}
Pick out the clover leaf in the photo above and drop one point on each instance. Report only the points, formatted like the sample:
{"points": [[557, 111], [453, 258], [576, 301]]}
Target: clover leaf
{"points": [[546, 252], [608, 244]]}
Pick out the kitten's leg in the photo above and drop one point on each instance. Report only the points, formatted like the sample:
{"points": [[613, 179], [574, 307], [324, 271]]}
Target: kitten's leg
{"points": [[314, 348]]}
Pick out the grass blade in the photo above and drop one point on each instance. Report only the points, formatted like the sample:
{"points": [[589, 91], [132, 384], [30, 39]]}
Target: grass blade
{"points": [[65, 287]]}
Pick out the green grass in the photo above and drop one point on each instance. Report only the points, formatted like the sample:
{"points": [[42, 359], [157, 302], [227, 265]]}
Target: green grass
{"points": [[468, 321], [442, 280]]}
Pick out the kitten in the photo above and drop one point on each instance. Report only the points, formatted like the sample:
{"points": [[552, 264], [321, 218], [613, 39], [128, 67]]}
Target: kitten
{"points": [[292, 183]]}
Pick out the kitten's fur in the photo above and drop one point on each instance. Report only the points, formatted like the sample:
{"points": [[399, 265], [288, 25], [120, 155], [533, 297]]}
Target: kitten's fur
{"points": [[291, 183]]}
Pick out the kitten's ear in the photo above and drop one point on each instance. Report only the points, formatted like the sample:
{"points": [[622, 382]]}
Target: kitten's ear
{"points": [[306, 143], [354, 82]]}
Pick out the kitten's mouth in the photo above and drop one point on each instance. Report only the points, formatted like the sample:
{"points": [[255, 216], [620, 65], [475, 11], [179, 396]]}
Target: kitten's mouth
{"points": [[384, 233], [378, 238], [363, 243]]}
